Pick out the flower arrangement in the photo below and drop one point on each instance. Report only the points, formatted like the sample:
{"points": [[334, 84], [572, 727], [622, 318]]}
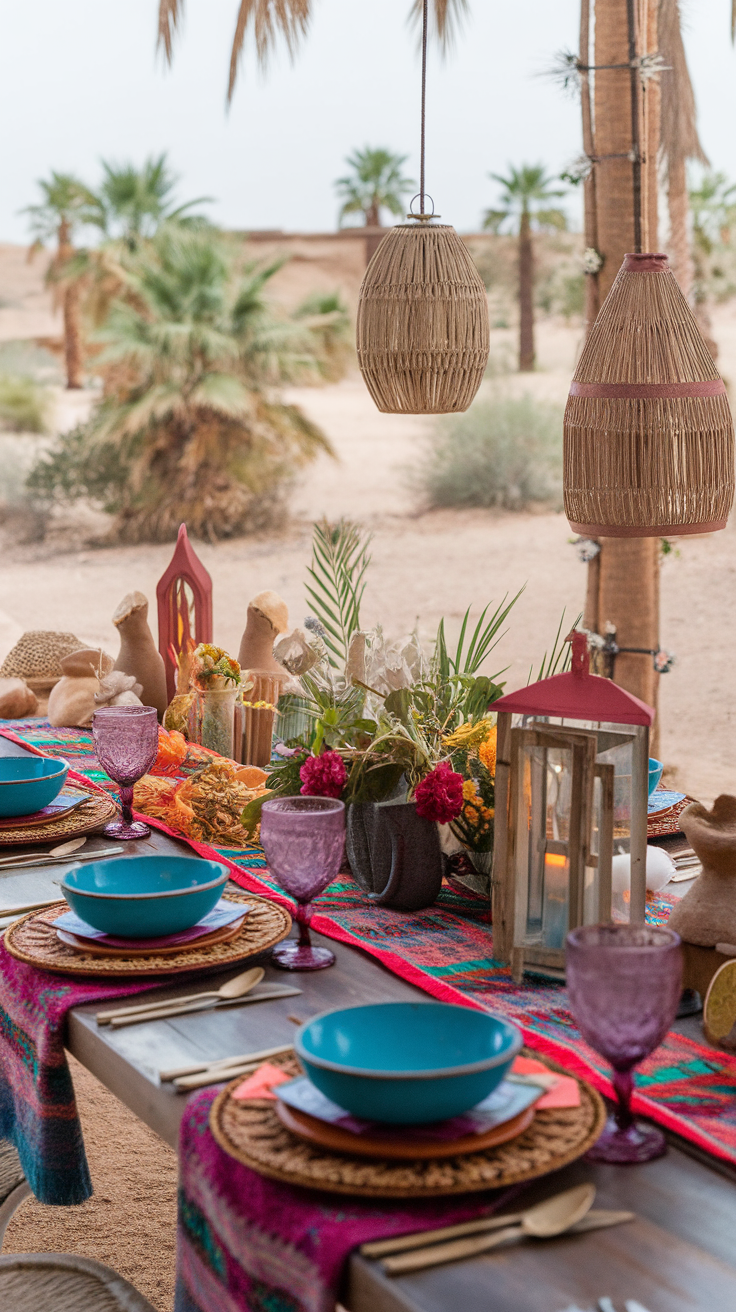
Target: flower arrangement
{"points": [[213, 668], [388, 720]]}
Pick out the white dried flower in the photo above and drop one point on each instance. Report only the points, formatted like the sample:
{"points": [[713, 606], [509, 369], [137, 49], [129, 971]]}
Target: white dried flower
{"points": [[592, 260], [586, 549]]}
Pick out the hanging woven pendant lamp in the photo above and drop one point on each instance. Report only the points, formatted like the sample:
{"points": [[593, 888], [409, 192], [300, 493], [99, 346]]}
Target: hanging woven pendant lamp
{"points": [[649, 440], [422, 334]]}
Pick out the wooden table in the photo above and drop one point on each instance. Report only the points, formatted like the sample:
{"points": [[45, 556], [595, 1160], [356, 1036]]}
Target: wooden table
{"points": [[678, 1256]]}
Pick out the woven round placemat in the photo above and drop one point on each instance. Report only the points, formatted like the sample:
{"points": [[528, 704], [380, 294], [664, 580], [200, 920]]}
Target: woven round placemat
{"points": [[92, 814], [252, 1133], [33, 940], [668, 822]]}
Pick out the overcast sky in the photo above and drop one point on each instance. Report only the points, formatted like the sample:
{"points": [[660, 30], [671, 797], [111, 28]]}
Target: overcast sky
{"points": [[80, 80]]}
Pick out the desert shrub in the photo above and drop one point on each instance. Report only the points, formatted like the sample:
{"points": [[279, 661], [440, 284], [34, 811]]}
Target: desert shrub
{"points": [[504, 452], [328, 318], [22, 404]]}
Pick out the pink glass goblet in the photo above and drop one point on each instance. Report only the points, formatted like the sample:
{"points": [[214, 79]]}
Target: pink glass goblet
{"points": [[126, 743], [304, 839], [624, 983]]}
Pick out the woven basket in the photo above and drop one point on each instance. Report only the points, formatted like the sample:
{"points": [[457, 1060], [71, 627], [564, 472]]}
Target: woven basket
{"points": [[423, 335], [649, 444]]}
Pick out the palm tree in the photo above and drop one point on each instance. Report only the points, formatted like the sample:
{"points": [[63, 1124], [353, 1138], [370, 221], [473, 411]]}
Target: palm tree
{"points": [[525, 197], [131, 203], [67, 206], [374, 183], [191, 425]]}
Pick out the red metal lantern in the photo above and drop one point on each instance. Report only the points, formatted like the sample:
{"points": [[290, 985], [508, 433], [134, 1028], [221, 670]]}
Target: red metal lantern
{"points": [[184, 596], [572, 769]]}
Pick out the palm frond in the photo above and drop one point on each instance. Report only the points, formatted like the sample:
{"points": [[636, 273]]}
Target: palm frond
{"points": [[339, 563], [484, 638], [169, 13], [269, 19], [447, 17], [679, 121]]}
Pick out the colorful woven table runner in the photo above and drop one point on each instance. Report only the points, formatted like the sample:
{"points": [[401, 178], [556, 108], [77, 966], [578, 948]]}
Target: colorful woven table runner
{"points": [[447, 950]]}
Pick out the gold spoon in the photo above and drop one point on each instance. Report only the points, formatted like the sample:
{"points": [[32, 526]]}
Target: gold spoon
{"points": [[64, 849], [552, 1217], [234, 988]]}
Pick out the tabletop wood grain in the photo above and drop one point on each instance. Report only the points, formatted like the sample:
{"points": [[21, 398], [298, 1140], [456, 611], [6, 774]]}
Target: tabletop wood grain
{"points": [[677, 1256]]}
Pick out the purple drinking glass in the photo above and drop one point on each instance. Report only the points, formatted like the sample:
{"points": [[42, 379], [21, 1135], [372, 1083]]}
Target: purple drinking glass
{"points": [[624, 984], [304, 840], [126, 743]]}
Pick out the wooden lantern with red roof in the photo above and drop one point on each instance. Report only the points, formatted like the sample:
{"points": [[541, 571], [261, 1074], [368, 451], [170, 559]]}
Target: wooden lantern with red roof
{"points": [[571, 786]]}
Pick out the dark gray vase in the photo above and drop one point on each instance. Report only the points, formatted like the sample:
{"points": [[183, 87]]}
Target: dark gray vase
{"points": [[394, 854]]}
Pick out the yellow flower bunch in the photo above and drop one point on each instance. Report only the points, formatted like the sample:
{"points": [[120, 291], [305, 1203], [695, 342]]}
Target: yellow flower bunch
{"points": [[487, 751], [466, 736]]}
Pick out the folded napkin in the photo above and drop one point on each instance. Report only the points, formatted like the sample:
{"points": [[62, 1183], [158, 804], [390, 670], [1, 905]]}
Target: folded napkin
{"points": [[37, 1108], [245, 1242], [221, 915], [505, 1103]]}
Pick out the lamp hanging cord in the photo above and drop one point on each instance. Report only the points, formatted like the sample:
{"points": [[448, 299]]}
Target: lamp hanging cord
{"points": [[424, 105]]}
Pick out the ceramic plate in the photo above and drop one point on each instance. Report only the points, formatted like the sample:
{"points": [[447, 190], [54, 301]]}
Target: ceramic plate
{"points": [[94, 949], [371, 1144]]}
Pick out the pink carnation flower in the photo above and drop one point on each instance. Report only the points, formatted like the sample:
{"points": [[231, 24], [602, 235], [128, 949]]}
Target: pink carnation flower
{"points": [[440, 794], [323, 776]]}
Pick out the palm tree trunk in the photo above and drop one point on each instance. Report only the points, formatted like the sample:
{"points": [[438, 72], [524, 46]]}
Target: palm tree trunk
{"points": [[72, 338], [679, 242], [374, 239], [526, 295], [592, 289], [71, 313], [625, 577], [614, 175]]}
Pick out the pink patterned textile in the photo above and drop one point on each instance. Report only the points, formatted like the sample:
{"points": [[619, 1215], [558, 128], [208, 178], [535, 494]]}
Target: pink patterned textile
{"points": [[248, 1244]]}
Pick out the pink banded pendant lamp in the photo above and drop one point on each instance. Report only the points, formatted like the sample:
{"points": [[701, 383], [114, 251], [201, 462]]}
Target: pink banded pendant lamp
{"points": [[648, 433]]}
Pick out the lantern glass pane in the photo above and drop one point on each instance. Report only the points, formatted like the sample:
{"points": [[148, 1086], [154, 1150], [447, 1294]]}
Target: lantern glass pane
{"points": [[590, 892], [619, 754], [542, 848]]}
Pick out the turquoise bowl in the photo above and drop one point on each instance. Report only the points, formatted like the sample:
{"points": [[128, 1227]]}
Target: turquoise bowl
{"points": [[407, 1063], [144, 896], [655, 773], [29, 783]]}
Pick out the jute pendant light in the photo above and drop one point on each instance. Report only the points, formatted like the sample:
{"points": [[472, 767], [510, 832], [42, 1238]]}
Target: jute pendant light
{"points": [[649, 440], [423, 334]]}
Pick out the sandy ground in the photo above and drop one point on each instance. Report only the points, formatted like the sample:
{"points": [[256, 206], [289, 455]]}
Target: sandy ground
{"points": [[424, 566]]}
